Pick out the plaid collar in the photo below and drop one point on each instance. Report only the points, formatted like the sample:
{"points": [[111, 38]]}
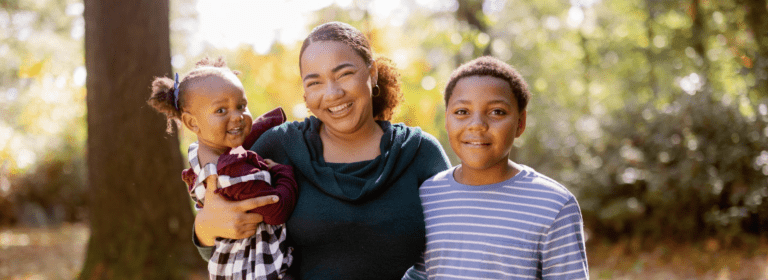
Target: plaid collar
{"points": [[194, 162]]}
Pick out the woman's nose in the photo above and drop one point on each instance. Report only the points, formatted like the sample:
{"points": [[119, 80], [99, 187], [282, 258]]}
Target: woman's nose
{"points": [[334, 90]]}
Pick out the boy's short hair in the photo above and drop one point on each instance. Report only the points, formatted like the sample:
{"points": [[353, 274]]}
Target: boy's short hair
{"points": [[491, 66]]}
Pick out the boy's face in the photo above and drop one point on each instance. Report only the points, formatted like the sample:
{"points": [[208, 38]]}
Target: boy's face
{"points": [[482, 121], [219, 111]]}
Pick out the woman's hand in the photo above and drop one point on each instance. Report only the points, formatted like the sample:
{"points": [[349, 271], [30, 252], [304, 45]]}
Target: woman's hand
{"points": [[228, 219]]}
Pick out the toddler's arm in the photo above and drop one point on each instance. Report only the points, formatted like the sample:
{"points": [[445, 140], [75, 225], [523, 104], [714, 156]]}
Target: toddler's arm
{"points": [[285, 188], [263, 123], [282, 185]]}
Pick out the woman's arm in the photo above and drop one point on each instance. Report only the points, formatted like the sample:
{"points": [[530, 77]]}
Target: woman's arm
{"points": [[227, 219]]}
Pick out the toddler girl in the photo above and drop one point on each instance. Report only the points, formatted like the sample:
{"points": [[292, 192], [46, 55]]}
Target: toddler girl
{"points": [[210, 101]]}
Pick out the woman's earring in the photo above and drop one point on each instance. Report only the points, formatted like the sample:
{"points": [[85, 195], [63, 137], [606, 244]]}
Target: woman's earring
{"points": [[376, 91]]}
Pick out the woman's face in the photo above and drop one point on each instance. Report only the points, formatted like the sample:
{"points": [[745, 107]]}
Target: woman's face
{"points": [[337, 86]]}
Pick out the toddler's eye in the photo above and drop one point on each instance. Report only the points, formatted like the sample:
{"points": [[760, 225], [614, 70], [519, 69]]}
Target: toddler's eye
{"points": [[220, 111]]}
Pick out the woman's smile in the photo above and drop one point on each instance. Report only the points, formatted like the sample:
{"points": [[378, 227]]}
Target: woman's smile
{"points": [[343, 108]]}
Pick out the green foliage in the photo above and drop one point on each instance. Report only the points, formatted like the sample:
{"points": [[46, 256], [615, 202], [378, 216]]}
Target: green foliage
{"points": [[692, 168], [644, 115], [652, 112], [42, 108]]}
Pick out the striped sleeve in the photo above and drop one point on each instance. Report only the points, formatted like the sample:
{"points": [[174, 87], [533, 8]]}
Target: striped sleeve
{"points": [[417, 271], [564, 255]]}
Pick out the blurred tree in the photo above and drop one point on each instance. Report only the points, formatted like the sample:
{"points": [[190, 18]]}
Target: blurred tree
{"points": [[140, 214]]}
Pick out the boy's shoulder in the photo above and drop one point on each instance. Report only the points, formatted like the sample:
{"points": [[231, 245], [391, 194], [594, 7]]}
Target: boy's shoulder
{"points": [[534, 182], [442, 177], [532, 179]]}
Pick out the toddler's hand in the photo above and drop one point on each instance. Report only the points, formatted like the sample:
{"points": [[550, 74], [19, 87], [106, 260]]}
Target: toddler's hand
{"points": [[270, 163]]}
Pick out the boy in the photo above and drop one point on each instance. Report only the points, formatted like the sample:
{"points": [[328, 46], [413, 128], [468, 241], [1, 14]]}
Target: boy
{"points": [[489, 217]]}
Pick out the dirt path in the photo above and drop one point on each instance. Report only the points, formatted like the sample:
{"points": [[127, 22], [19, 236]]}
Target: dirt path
{"points": [[43, 253]]}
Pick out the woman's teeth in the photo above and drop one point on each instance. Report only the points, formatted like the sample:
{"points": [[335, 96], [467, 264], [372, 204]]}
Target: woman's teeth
{"points": [[339, 108]]}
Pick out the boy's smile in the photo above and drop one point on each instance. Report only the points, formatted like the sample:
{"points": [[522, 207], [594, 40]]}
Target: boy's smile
{"points": [[482, 121]]}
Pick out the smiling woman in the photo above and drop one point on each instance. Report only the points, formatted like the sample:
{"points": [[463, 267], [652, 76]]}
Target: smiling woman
{"points": [[338, 86], [358, 215]]}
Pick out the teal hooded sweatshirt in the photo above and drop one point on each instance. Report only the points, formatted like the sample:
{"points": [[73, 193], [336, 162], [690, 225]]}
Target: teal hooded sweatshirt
{"points": [[360, 220]]}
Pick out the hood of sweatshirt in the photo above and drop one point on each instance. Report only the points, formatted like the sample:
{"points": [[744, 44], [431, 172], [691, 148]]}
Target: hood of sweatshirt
{"points": [[356, 181]]}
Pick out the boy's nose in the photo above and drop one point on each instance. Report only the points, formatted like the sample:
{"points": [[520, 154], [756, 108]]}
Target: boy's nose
{"points": [[478, 122]]}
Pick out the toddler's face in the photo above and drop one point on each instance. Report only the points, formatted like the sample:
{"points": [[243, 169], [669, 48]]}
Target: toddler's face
{"points": [[220, 108], [482, 121]]}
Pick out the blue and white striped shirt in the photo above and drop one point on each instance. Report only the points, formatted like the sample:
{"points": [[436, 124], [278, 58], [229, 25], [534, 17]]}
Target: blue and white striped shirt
{"points": [[527, 227]]}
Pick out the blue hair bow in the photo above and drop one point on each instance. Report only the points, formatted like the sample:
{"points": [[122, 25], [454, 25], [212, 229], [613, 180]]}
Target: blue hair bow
{"points": [[176, 92]]}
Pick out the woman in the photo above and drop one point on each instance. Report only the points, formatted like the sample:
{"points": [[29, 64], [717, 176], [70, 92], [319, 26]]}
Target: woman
{"points": [[358, 214]]}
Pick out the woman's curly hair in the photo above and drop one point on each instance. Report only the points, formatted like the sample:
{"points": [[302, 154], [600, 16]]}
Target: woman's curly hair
{"points": [[389, 95], [162, 99]]}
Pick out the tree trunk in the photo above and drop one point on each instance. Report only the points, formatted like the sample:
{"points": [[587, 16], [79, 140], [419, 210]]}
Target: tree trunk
{"points": [[140, 215]]}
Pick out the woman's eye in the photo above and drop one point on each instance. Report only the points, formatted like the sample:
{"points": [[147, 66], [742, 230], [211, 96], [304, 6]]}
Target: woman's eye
{"points": [[311, 84]]}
